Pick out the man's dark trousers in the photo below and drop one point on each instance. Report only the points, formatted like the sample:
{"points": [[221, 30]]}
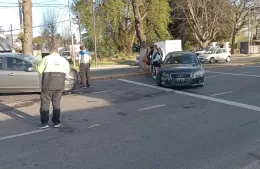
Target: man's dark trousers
{"points": [[85, 74], [46, 98]]}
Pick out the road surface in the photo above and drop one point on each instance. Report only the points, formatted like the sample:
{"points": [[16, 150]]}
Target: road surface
{"points": [[131, 123]]}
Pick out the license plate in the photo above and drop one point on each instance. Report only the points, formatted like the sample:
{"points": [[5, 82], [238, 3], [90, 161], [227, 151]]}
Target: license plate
{"points": [[180, 80]]}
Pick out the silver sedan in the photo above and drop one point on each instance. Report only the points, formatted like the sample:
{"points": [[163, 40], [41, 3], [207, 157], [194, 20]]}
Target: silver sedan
{"points": [[18, 74]]}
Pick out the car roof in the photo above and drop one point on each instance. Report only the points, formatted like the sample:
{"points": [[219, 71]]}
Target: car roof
{"points": [[182, 52], [18, 55]]}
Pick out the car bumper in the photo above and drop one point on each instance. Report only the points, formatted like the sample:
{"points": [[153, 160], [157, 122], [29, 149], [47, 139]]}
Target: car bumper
{"points": [[198, 81]]}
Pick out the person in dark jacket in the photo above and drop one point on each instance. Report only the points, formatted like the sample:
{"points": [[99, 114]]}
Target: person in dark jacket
{"points": [[53, 69]]}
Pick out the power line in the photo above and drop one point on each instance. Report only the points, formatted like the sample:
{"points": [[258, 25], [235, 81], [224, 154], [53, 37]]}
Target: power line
{"points": [[38, 26]]}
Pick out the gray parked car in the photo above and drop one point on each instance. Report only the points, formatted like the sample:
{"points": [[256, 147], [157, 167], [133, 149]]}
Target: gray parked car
{"points": [[18, 74]]}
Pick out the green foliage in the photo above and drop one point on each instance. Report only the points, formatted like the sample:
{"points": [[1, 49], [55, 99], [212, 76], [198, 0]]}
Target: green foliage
{"points": [[115, 24], [21, 36]]}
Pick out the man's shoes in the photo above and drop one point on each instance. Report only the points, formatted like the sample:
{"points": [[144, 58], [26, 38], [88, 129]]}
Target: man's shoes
{"points": [[43, 126], [57, 125], [89, 86], [83, 87]]}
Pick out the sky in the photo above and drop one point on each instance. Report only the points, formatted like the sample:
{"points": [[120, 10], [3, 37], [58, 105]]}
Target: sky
{"points": [[9, 14]]}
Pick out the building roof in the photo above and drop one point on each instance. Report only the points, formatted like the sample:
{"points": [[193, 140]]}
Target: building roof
{"points": [[5, 45]]}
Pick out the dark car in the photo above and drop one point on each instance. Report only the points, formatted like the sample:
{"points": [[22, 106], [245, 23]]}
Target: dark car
{"points": [[181, 69], [18, 74]]}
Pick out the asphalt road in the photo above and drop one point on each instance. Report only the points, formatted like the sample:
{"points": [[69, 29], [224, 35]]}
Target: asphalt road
{"points": [[131, 123]]}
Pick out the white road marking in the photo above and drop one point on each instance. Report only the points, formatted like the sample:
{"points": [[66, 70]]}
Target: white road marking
{"points": [[217, 94], [207, 77], [152, 107], [22, 134], [246, 72], [227, 102], [254, 165], [95, 125], [235, 74]]}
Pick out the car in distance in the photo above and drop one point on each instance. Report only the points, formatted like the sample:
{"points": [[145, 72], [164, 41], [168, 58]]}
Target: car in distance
{"points": [[180, 69], [18, 74], [215, 55], [66, 55]]}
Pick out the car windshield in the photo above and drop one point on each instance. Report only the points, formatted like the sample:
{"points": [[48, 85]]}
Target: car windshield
{"points": [[211, 51], [32, 59], [181, 58]]}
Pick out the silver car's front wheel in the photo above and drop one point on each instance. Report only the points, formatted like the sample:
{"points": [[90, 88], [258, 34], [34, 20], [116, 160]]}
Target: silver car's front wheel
{"points": [[71, 80]]}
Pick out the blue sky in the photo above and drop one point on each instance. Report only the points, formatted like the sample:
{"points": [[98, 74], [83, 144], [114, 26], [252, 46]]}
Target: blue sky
{"points": [[10, 15]]}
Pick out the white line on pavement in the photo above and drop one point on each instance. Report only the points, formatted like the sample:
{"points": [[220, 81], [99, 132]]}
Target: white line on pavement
{"points": [[217, 94], [103, 91], [235, 74], [227, 102], [208, 77], [95, 125], [246, 72], [22, 134], [152, 107]]}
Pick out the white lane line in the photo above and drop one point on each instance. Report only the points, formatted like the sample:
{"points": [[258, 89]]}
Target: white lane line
{"points": [[217, 94], [227, 102], [235, 74], [95, 125], [22, 134], [152, 107], [208, 77], [246, 72]]}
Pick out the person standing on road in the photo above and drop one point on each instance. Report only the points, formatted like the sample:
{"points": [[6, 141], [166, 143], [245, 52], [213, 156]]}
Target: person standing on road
{"points": [[147, 60], [53, 69], [84, 59]]}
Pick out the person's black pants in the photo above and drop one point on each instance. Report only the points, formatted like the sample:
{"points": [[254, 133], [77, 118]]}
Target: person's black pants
{"points": [[85, 74], [46, 98]]}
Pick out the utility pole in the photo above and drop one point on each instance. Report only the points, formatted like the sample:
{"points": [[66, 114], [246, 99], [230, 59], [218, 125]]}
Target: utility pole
{"points": [[20, 14], [27, 20], [72, 40], [80, 30], [94, 28], [249, 30], [12, 34]]}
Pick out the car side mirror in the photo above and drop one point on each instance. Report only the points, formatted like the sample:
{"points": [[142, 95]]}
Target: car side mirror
{"points": [[30, 69]]}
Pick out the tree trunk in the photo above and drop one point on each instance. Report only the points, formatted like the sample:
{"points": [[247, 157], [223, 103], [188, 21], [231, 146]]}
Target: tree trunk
{"points": [[140, 32], [233, 40], [27, 13]]}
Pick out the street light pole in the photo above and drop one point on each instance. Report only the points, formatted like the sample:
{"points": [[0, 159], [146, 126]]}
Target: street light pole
{"points": [[72, 40], [94, 29]]}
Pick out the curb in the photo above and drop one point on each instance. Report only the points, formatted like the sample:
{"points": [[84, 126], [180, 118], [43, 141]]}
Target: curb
{"points": [[118, 76], [235, 65]]}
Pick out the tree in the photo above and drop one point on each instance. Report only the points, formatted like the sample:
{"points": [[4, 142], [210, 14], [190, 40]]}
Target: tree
{"points": [[151, 22], [66, 36], [49, 30], [239, 18], [38, 42], [204, 17]]}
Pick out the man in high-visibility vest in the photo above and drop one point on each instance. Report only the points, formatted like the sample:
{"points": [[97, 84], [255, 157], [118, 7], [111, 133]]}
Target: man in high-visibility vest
{"points": [[53, 69]]}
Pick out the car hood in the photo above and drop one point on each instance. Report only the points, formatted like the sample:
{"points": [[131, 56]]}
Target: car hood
{"points": [[180, 68]]}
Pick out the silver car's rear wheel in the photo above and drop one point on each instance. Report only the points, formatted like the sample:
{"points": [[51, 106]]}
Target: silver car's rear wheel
{"points": [[211, 60], [228, 59]]}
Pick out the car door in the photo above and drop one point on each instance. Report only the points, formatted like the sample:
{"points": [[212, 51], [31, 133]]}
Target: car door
{"points": [[18, 77], [218, 54]]}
